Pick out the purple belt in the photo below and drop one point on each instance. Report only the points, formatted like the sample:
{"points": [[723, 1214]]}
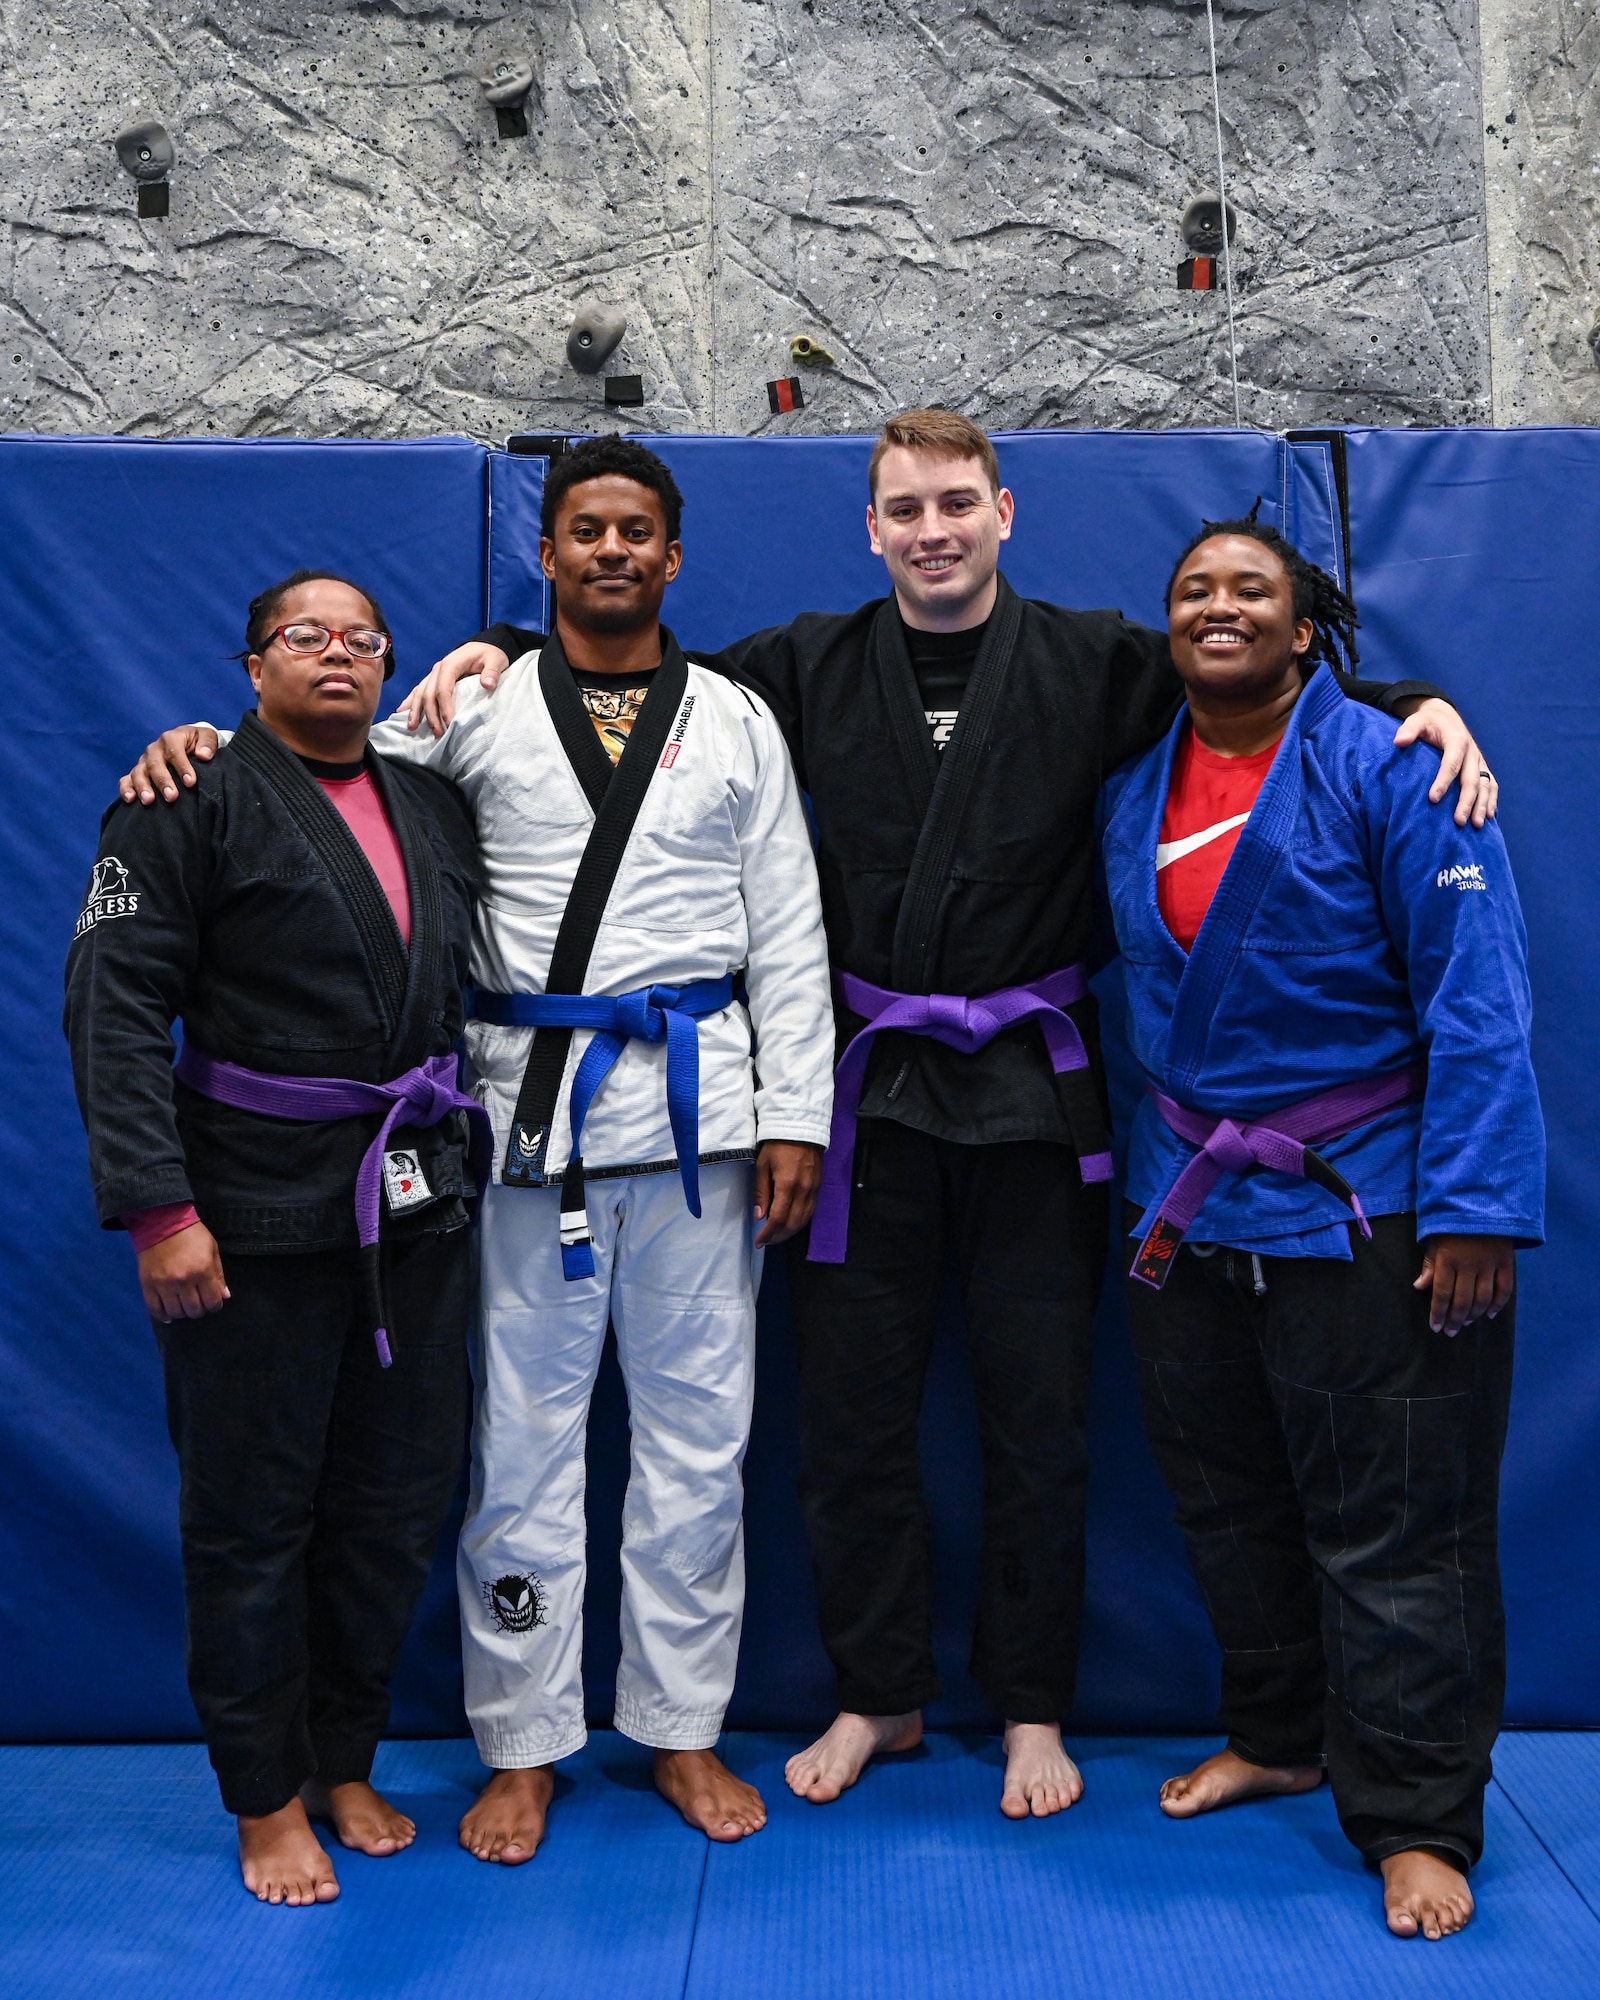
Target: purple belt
{"points": [[1283, 1142], [422, 1096], [960, 1024]]}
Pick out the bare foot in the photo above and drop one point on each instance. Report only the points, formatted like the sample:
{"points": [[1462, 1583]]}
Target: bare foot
{"points": [[709, 1796], [1227, 1780], [362, 1818], [1424, 1892], [282, 1860], [507, 1823], [1040, 1777], [833, 1763]]}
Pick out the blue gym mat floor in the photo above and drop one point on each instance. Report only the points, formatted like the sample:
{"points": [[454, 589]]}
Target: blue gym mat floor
{"points": [[118, 1880]]}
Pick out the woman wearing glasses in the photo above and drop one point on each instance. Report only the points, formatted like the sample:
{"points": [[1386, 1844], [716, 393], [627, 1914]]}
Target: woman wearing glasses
{"points": [[295, 1189]]}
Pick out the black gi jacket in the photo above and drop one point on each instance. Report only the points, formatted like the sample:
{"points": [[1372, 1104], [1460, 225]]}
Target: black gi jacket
{"points": [[248, 909], [970, 871]]}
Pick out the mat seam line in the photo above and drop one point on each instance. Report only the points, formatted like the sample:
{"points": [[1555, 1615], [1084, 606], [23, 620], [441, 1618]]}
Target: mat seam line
{"points": [[1555, 1859], [699, 1898]]}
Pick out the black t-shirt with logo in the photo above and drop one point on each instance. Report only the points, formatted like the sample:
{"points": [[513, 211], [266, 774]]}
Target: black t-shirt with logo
{"points": [[942, 663]]}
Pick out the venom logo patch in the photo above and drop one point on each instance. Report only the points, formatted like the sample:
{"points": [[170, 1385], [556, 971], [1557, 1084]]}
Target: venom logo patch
{"points": [[516, 1603]]}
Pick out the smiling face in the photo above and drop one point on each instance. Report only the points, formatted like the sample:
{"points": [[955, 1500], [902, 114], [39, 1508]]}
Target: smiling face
{"points": [[609, 557], [1231, 622], [319, 702], [938, 524]]}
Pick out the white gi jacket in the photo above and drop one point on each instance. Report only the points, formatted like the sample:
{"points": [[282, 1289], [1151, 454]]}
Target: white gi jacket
{"points": [[718, 874]]}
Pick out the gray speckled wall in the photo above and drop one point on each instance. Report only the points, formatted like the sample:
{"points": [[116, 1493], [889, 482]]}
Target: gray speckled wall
{"points": [[971, 201]]}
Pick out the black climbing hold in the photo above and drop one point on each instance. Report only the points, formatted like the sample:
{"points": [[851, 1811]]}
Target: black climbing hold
{"points": [[506, 84], [145, 150], [625, 391], [1202, 225], [594, 336]]}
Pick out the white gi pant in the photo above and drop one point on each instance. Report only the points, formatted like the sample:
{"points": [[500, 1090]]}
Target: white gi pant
{"points": [[681, 1294]]}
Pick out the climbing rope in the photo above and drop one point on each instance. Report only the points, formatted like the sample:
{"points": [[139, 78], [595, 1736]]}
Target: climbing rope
{"points": [[1222, 198]]}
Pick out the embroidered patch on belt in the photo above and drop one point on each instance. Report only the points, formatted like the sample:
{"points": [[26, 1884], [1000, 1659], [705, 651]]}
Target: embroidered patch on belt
{"points": [[404, 1182], [1156, 1253], [516, 1602]]}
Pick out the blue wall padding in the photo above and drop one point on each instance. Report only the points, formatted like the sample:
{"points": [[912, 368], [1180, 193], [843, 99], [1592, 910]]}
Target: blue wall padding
{"points": [[776, 526], [515, 592], [1475, 557], [125, 570], [126, 567]]}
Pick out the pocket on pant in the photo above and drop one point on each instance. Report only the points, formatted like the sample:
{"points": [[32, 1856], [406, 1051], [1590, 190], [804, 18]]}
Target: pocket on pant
{"points": [[1382, 1482]]}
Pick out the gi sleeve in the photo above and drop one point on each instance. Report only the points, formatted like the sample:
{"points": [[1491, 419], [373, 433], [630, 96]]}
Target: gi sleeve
{"points": [[1451, 907], [513, 640], [786, 974], [459, 753], [768, 662], [128, 975]]}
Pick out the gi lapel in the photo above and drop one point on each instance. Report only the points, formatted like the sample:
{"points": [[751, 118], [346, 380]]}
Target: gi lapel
{"points": [[337, 848], [617, 804], [1261, 844], [585, 752], [425, 961], [917, 927]]}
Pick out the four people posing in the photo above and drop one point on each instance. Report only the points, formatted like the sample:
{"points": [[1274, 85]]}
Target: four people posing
{"points": [[954, 741]]}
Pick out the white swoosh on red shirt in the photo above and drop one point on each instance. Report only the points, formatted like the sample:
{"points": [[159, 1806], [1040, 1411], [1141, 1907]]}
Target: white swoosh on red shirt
{"points": [[1174, 850]]}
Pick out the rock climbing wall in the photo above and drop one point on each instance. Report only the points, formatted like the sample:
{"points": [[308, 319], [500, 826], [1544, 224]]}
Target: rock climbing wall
{"points": [[969, 201], [1541, 111]]}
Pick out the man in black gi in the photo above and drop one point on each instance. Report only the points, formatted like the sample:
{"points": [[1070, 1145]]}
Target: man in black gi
{"points": [[953, 738], [306, 910]]}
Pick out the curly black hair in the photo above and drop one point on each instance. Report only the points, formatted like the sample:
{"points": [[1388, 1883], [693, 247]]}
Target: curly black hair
{"points": [[263, 612], [1316, 595], [597, 456]]}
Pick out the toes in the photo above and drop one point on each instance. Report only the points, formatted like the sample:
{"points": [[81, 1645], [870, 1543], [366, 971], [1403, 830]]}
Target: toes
{"points": [[1402, 1922]]}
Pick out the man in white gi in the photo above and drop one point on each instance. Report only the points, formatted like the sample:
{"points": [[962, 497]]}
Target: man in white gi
{"points": [[643, 846]]}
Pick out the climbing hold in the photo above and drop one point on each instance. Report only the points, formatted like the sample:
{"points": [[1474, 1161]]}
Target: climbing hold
{"points": [[506, 83], [785, 395], [1594, 342], [594, 336], [147, 153], [1202, 225], [808, 352], [1202, 231], [625, 392]]}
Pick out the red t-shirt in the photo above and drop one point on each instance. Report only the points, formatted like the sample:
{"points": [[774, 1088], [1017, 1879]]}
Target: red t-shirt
{"points": [[362, 810], [1208, 801]]}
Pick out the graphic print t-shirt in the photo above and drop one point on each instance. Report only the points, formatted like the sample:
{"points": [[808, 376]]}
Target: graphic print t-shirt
{"points": [[613, 702], [1208, 801]]}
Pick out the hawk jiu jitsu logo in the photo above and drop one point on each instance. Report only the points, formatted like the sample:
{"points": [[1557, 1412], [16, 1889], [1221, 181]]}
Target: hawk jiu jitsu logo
{"points": [[516, 1602], [108, 897]]}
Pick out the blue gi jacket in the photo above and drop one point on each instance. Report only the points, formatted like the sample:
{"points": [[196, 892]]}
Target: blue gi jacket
{"points": [[1356, 928]]}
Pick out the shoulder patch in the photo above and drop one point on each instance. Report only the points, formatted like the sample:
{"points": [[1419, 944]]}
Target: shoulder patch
{"points": [[110, 895]]}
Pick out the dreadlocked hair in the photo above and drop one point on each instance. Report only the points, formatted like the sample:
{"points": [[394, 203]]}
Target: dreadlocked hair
{"points": [[1316, 595]]}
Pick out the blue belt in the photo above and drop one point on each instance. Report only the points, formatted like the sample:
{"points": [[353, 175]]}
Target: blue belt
{"points": [[650, 1014]]}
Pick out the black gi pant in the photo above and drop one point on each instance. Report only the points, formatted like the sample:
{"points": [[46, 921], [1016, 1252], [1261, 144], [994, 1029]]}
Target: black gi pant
{"points": [[1029, 1243], [313, 1483], [1336, 1469]]}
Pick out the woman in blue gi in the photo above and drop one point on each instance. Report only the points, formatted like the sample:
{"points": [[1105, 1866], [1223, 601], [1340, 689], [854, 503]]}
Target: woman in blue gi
{"points": [[1338, 1152]]}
